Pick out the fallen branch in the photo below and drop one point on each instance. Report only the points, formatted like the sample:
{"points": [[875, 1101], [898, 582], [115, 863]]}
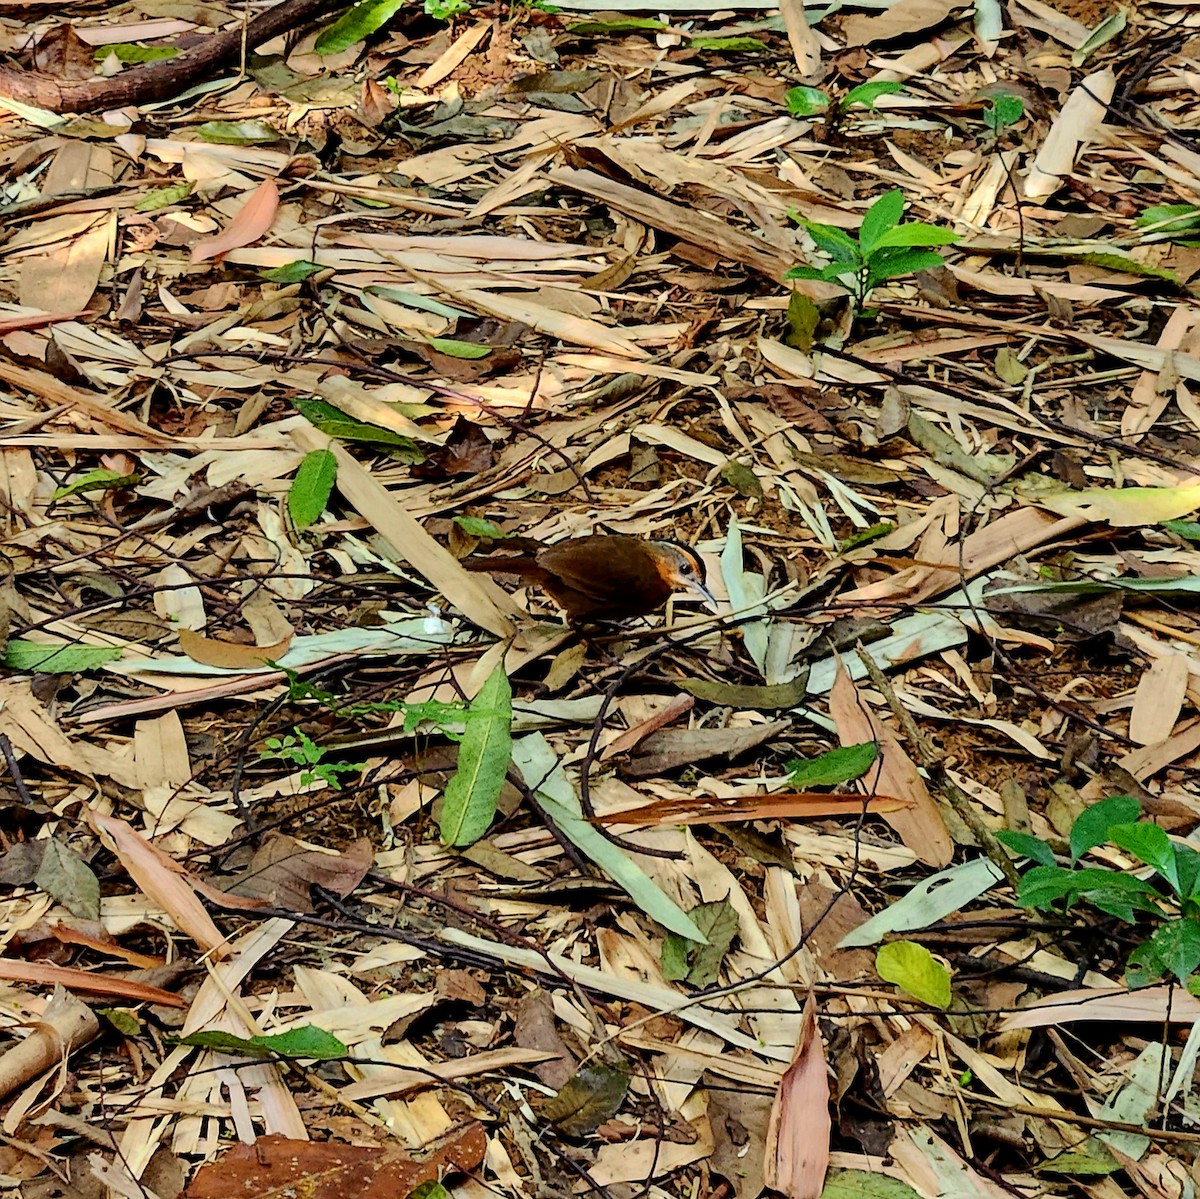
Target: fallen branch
{"points": [[161, 80]]}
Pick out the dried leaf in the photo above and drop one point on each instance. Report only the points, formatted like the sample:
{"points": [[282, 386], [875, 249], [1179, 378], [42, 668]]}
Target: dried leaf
{"points": [[253, 220]]}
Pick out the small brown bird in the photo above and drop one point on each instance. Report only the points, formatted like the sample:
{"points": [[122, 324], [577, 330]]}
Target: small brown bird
{"points": [[607, 576]]}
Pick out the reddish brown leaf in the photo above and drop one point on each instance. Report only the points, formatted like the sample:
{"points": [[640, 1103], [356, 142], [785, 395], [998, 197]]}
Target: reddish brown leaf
{"points": [[229, 655], [252, 221], [276, 1166], [783, 805]]}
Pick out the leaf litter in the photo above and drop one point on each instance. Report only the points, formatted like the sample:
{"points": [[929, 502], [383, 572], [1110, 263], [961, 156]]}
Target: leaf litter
{"points": [[888, 312]]}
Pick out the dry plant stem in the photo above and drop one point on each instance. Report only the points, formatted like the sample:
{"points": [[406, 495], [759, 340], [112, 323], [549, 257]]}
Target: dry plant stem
{"points": [[929, 759], [1154, 1134], [162, 80], [68, 1023]]}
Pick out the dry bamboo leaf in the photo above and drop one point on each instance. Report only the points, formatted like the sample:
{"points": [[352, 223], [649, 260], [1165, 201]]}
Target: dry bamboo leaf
{"points": [[1077, 123], [87, 981], [66, 278], [162, 880], [253, 220], [783, 805], [229, 655], [1152, 1005], [1159, 699], [478, 598], [894, 773], [797, 1148]]}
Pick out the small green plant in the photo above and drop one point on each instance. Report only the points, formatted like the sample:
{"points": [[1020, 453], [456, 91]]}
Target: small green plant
{"points": [[1171, 222], [1170, 896], [1002, 112], [885, 248], [301, 750], [810, 101], [445, 10]]}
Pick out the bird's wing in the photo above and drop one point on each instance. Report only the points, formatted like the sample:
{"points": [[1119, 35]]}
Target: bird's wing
{"points": [[613, 577]]}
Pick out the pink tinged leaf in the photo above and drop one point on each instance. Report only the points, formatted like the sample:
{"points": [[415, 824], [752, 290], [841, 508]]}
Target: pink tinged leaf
{"points": [[797, 1149], [255, 218]]}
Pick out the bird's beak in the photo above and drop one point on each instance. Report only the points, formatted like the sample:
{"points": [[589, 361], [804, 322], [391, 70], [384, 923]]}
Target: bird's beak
{"points": [[702, 593]]}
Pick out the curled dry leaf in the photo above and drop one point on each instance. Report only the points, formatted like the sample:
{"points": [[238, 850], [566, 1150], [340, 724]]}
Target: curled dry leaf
{"points": [[229, 655], [252, 221], [797, 1150]]}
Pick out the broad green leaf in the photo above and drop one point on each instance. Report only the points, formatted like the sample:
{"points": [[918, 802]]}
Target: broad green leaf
{"points": [[306, 1042], [931, 900], [477, 526], [1003, 111], [914, 233], [867, 93], [1112, 26], [429, 1190], [864, 1184], [742, 479], [161, 197], [293, 272], [593, 1094], [132, 52], [891, 264], [1188, 529], [1174, 949], [459, 349], [1116, 260], [57, 659], [882, 529], [880, 218], [803, 272], [1121, 895], [337, 424], [915, 971], [1092, 824], [735, 45], [1027, 845], [542, 771], [311, 488], [356, 24], [618, 25], [1090, 1158], [835, 242], [65, 876], [122, 1019], [805, 101], [1171, 218], [718, 921], [469, 802], [237, 133], [97, 480], [835, 766], [1149, 844]]}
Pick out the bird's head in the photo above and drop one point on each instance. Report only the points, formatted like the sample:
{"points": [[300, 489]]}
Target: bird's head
{"points": [[683, 568]]}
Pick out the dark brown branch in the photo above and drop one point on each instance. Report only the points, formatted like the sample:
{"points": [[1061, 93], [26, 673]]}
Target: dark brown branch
{"points": [[161, 80]]}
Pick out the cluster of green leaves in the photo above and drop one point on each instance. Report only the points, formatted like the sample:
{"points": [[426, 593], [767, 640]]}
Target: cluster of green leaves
{"points": [[885, 248], [1003, 111], [698, 962], [1170, 895], [447, 717], [298, 749], [811, 101]]}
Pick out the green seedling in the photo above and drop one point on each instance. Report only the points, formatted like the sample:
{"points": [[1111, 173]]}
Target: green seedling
{"points": [[301, 750], [1002, 112], [885, 248], [1168, 898], [811, 101]]}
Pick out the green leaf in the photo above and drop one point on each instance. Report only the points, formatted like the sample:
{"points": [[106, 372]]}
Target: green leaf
{"points": [[469, 802], [122, 1019], [701, 963], [57, 659], [161, 197], [618, 25], [356, 24], [65, 876], [311, 488], [132, 52], [916, 971], [892, 263], [1121, 895], [1092, 824], [97, 480], [803, 317], [736, 45], [459, 349], [593, 1094], [1114, 260], [803, 272], [742, 479], [882, 529], [1149, 844], [337, 424], [477, 526], [1188, 529], [833, 767], [1171, 218], [881, 217], [805, 101], [1112, 26], [429, 1190], [305, 1042], [772, 697], [1173, 948], [1003, 111], [237, 133], [1091, 1158], [867, 93], [864, 1184], [444, 10], [293, 272], [914, 233], [1027, 845], [835, 242]]}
